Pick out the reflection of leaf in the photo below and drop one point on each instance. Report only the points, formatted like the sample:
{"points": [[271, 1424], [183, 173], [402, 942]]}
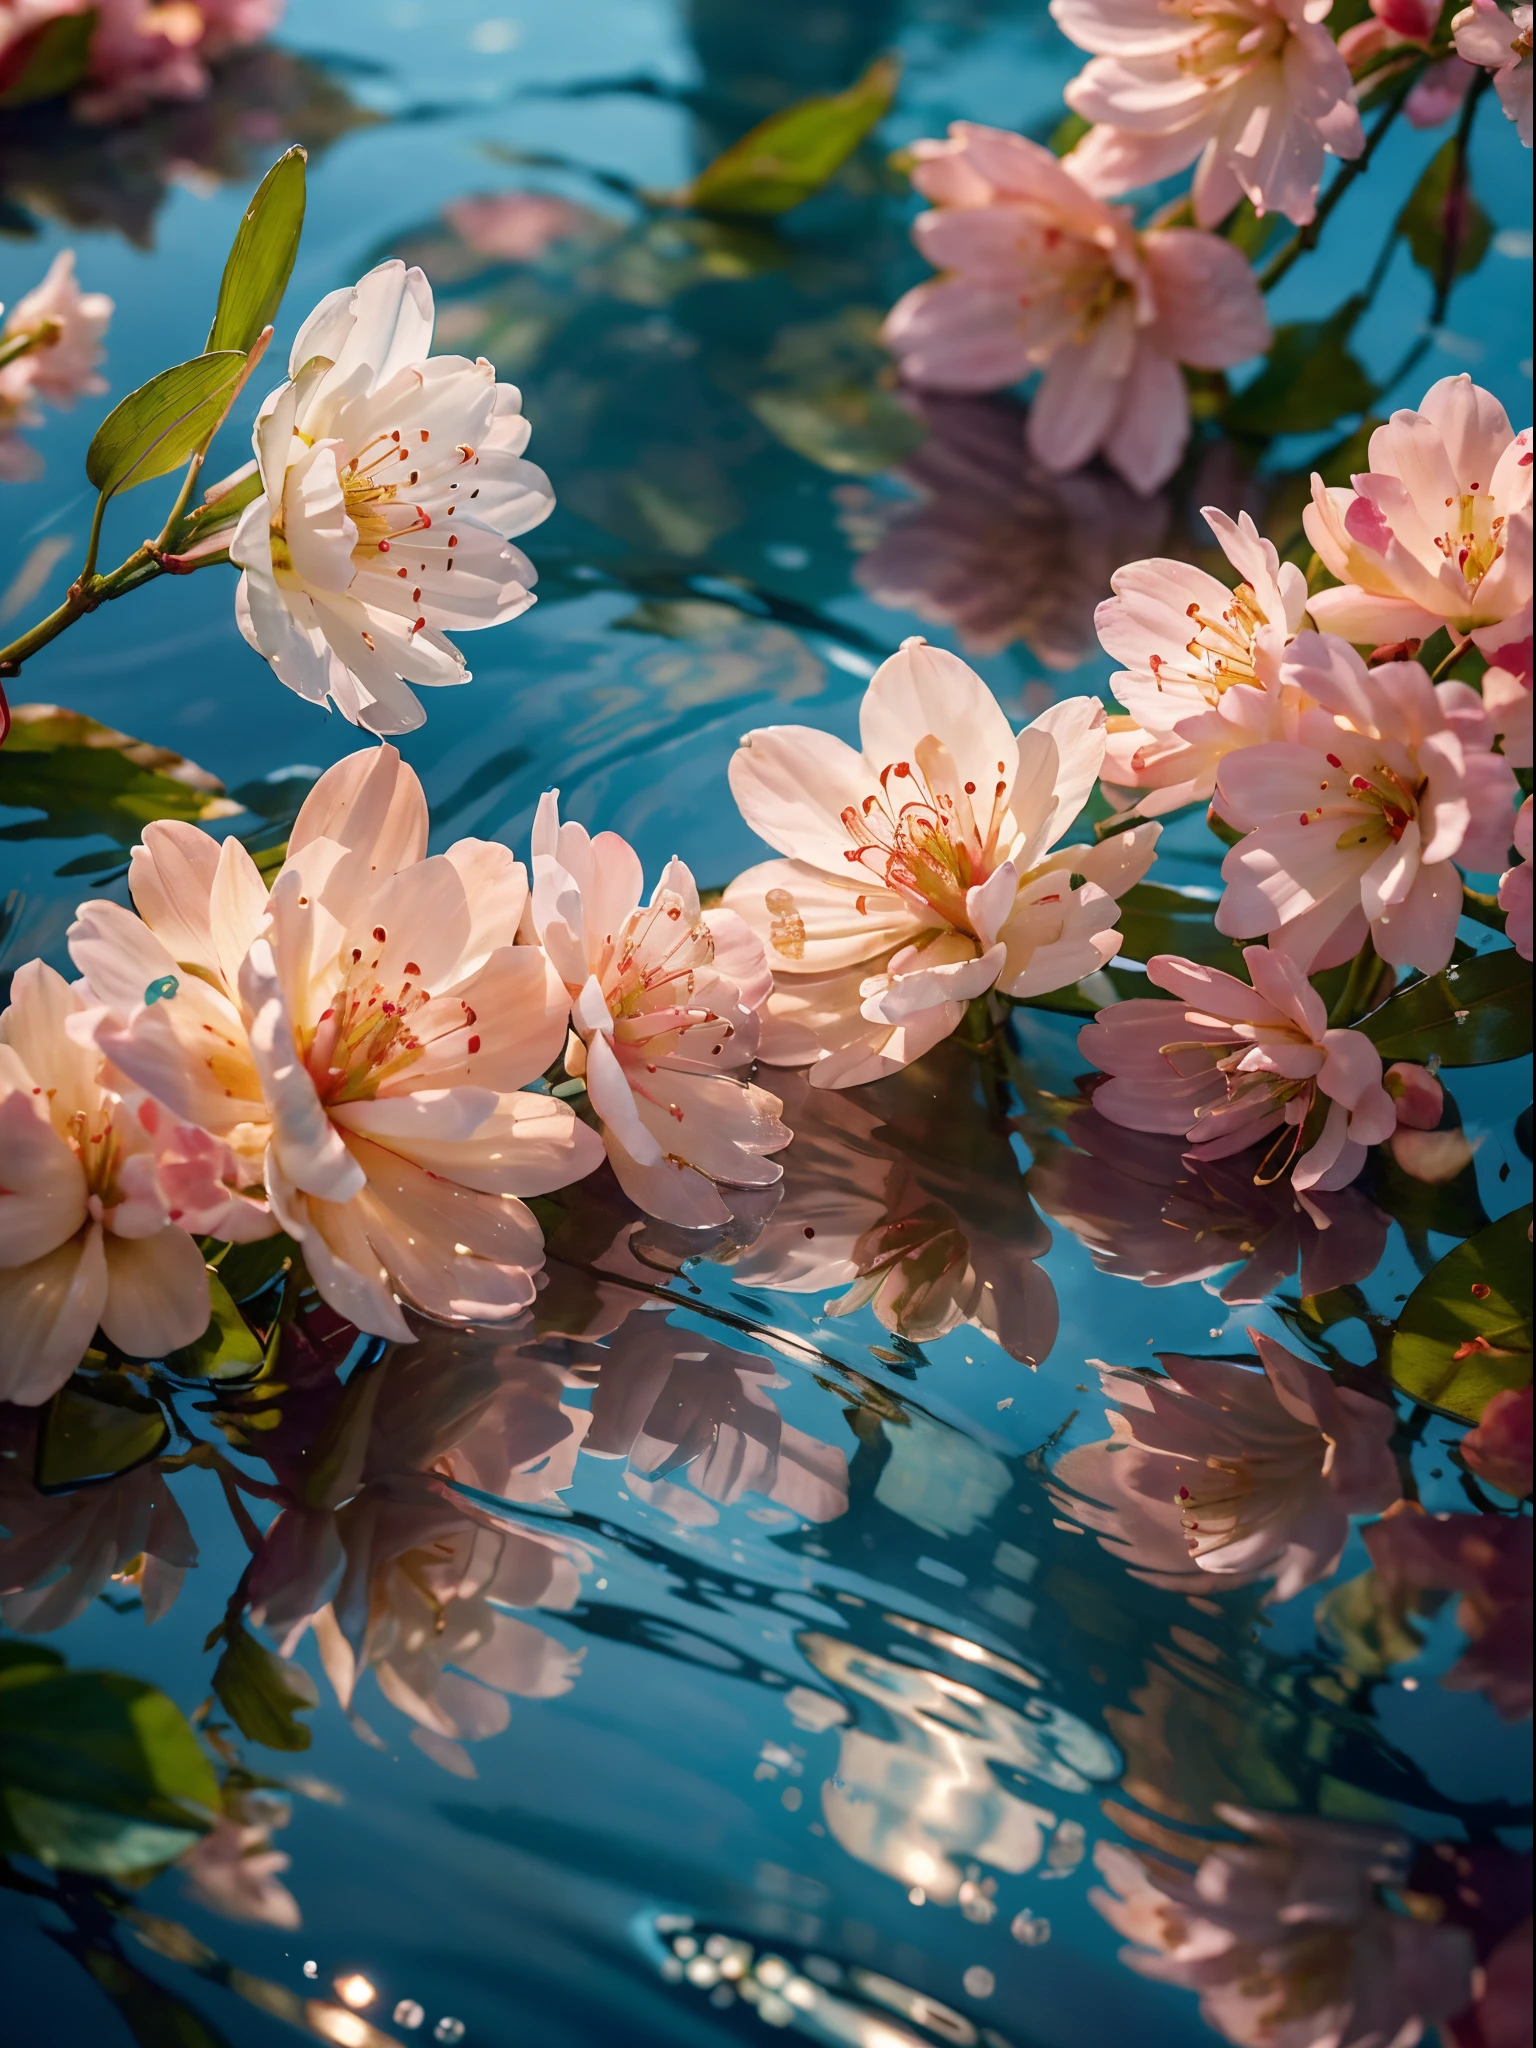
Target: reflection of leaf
{"points": [[849, 429], [154, 2017], [263, 1693], [97, 1426], [245, 1269], [1465, 1331], [159, 426], [1432, 206], [88, 779], [1310, 380], [98, 1771], [1370, 1627], [1475, 1012], [226, 1350], [792, 154], [261, 257], [47, 63]]}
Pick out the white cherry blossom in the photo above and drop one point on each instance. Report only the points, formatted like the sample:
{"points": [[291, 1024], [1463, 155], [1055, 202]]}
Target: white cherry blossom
{"points": [[391, 484]]}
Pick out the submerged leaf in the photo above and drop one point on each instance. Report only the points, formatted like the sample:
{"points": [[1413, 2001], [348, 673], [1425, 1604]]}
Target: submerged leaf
{"points": [[1465, 1332], [52, 60], [792, 154]]}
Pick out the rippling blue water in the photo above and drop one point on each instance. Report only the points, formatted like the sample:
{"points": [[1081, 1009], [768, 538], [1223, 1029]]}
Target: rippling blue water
{"points": [[796, 1637]]}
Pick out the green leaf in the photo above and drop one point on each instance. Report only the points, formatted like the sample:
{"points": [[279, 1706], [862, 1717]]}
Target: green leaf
{"points": [[1067, 134], [261, 256], [226, 1350], [1465, 1331], [49, 62], [97, 1426], [792, 154], [1372, 1628], [245, 1270], [98, 1771], [89, 780], [1310, 380], [1157, 919], [1476, 1012], [163, 424], [1433, 212], [262, 1693]]}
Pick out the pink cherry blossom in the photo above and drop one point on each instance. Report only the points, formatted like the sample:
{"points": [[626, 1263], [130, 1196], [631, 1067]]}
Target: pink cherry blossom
{"points": [[86, 1235], [1201, 666], [1289, 1936], [1499, 1449], [1219, 1474], [1487, 1559], [361, 1038], [1040, 275], [665, 1001], [1361, 820], [1255, 89], [1227, 1064], [1437, 532], [1506, 683], [919, 872], [1515, 886], [1500, 43]]}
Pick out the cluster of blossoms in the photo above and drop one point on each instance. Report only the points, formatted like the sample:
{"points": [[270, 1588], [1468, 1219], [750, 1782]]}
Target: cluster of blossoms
{"points": [[138, 51], [357, 1058], [50, 349], [1039, 272]]}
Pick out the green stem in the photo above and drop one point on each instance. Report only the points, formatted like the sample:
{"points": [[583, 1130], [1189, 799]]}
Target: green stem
{"points": [[92, 547], [1306, 238], [1451, 245], [1355, 998]]}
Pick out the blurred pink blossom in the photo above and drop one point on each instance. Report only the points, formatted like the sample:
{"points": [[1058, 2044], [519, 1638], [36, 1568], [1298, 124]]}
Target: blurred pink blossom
{"points": [[146, 50], [1499, 1449], [1362, 820], [234, 1869], [1256, 90], [516, 227], [1038, 274], [1515, 886], [1487, 1559], [1227, 1064], [1500, 43], [1507, 683]]}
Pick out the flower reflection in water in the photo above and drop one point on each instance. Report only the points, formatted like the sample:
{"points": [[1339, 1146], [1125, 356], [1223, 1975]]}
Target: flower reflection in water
{"points": [[996, 546], [908, 1198], [1288, 1936], [923, 1784], [1150, 1211]]}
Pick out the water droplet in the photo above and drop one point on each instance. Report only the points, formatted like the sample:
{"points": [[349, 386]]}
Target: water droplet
{"points": [[1029, 1929], [311, 1969], [448, 2030], [979, 1981], [408, 2013]]}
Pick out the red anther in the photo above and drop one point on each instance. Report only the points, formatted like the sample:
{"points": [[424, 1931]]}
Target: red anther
{"points": [[379, 933], [416, 595], [970, 789], [1334, 761], [903, 768], [383, 547], [453, 540], [412, 969], [474, 1045]]}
